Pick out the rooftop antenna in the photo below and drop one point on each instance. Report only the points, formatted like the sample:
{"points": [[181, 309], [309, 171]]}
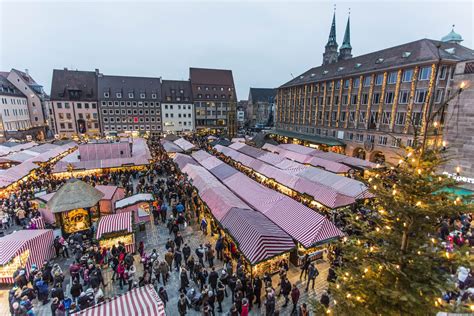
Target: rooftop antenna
{"points": [[349, 11], [292, 75]]}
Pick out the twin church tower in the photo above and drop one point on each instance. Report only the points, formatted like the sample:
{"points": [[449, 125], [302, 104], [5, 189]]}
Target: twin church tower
{"points": [[331, 55]]}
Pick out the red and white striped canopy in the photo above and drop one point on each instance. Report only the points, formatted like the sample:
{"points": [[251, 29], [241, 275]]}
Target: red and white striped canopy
{"points": [[141, 301], [114, 223], [39, 222], [38, 241]]}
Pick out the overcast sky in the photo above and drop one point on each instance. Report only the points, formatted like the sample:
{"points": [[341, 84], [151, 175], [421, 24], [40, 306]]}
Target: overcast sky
{"points": [[262, 42]]}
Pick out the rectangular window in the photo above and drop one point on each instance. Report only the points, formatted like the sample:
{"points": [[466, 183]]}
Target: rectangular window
{"points": [[79, 105], [346, 83], [376, 98], [403, 98], [407, 75], [350, 136], [338, 85], [106, 94], [386, 116], [439, 95], [392, 77], [354, 99], [333, 115], [420, 95], [362, 117], [400, 118], [442, 73], [389, 97], [118, 95], [365, 99], [425, 73], [396, 142], [367, 81], [356, 82], [379, 80], [320, 115], [351, 116], [345, 99], [416, 118], [383, 140], [343, 116], [359, 138], [371, 138], [142, 95]]}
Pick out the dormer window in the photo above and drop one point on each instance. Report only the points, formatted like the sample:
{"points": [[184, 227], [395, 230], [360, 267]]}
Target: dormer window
{"points": [[357, 65], [142, 95], [199, 96], [450, 51], [130, 95], [199, 88], [106, 95], [223, 96], [222, 88], [406, 54], [181, 91], [207, 88], [178, 99], [340, 69], [325, 72], [379, 60], [153, 95], [312, 75]]}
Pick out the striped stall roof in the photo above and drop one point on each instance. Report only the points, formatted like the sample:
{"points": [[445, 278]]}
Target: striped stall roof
{"points": [[258, 237], [171, 147], [182, 160], [210, 163], [200, 155], [223, 171], [114, 223], [38, 241], [140, 301], [220, 200]]}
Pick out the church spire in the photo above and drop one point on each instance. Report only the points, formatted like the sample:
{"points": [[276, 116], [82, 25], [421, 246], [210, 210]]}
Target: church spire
{"points": [[345, 52], [330, 51]]}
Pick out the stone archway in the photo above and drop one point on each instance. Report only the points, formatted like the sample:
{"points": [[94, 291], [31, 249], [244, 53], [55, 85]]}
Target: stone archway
{"points": [[377, 157], [359, 153]]}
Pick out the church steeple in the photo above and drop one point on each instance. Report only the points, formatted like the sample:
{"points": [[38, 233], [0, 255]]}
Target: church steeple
{"points": [[330, 52], [345, 52]]}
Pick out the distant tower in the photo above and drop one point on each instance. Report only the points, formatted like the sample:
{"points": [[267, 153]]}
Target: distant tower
{"points": [[345, 52], [452, 37], [330, 52]]}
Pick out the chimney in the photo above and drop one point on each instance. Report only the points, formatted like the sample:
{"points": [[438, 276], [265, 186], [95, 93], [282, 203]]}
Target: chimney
{"points": [[26, 72], [65, 68]]}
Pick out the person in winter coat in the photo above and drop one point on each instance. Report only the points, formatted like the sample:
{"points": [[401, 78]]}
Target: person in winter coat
{"points": [[220, 295], [270, 304], [233, 311], [163, 295], [312, 274], [178, 240], [257, 291], [57, 291], [164, 269], [245, 307], [121, 274], [178, 258], [182, 305], [76, 290], [169, 259], [186, 252], [304, 310], [213, 278], [43, 291], [305, 266], [184, 279], [285, 290], [325, 299], [295, 296]]}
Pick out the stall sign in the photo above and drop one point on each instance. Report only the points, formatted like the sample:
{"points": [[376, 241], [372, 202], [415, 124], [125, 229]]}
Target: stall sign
{"points": [[76, 220]]}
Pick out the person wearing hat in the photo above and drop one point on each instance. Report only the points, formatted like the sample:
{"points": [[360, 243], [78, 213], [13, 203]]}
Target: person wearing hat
{"points": [[54, 305]]}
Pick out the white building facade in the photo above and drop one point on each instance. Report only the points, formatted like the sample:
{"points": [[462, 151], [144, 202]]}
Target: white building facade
{"points": [[14, 113], [177, 108]]}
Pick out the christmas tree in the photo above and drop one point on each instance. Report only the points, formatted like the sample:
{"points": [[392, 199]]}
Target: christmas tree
{"points": [[394, 262]]}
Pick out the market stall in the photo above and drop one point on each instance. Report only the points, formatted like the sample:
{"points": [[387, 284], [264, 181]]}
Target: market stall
{"points": [[112, 194], [115, 228], [38, 222], [22, 249], [139, 203], [75, 206], [141, 301]]}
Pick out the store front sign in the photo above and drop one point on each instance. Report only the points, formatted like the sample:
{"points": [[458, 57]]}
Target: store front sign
{"points": [[459, 178]]}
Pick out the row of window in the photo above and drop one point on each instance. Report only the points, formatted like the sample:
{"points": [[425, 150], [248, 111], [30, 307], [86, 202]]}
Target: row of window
{"points": [[170, 107], [171, 123], [167, 115], [68, 116], [208, 96], [211, 112], [403, 98], [131, 95], [14, 101], [131, 119], [69, 126], [59, 105], [374, 117], [132, 127], [129, 112], [170, 98], [15, 112], [130, 103], [381, 140], [16, 125], [213, 88]]}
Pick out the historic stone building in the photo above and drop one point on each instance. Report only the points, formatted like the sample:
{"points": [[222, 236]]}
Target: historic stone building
{"points": [[177, 108], [74, 102], [371, 104], [214, 100], [129, 104], [260, 106]]}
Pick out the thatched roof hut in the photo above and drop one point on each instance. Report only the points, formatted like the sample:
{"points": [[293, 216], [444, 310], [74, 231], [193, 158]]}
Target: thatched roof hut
{"points": [[72, 195]]}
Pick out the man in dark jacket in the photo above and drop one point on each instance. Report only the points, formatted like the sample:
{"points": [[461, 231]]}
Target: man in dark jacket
{"points": [[213, 278], [295, 296], [312, 274], [285, 290], [257, 290], [76, 290], [186, 252], [220, 295]]}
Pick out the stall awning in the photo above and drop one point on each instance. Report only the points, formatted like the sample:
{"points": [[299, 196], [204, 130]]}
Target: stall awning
{"points": [[115, 223], [136, 198], [14, 243], [184, 144], [141, 301], [258, 237], [310, 138]]}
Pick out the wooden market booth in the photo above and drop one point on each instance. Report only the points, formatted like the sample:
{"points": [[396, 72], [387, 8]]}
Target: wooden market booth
{"points": [[22, 249], [139, 203], [115, 228], [75, 206]]}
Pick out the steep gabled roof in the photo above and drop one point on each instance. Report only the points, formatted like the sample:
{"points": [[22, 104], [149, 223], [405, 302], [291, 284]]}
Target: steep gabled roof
{"points": [[262, 94], [83, 81]]}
